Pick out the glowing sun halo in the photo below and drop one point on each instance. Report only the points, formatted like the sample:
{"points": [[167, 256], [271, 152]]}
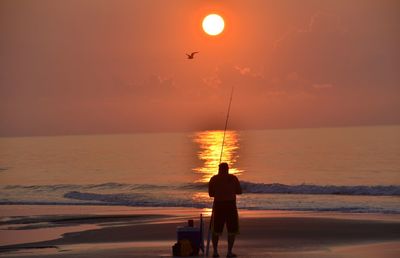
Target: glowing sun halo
{"points": [[213, 24]]}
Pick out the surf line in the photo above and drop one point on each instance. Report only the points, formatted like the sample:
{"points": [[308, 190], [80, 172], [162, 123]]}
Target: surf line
{"points": [[220, 159]]}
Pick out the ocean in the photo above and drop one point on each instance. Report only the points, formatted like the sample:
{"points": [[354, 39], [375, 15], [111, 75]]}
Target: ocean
{"points": [[349, 169]]}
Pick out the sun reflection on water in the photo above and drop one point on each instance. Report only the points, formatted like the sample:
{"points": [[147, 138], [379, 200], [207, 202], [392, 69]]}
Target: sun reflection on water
{"points": [[210, 143]]}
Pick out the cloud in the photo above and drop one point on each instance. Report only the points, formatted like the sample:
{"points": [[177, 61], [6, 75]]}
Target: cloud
{"points": [[247, 71], [242, 70], [318, 22], [212, 81], [323, 21], [151, 86]]}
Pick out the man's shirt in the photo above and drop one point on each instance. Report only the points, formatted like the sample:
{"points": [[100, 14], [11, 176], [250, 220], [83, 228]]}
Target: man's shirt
{"points": [[224, 187]]}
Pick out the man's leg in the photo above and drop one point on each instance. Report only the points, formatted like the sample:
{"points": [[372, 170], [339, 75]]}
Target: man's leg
{"points": [[232, 225], [215, 239], [218, 226], [231, 241]]}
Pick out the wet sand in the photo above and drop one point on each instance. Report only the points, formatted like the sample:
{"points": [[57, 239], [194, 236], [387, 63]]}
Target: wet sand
{"points": [[100, 231]]}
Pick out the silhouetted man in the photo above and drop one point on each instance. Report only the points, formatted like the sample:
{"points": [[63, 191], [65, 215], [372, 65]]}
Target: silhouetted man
{"points": [[224, 187]]}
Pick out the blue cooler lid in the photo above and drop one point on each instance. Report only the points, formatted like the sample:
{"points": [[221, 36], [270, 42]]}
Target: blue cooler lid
{"points": [[187, 229]]}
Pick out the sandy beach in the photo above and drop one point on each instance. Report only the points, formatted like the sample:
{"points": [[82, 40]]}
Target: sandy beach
{"points": [[101, 231]]}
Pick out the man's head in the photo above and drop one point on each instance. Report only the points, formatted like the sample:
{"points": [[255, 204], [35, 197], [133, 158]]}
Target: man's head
{"points": [[223, 168]]}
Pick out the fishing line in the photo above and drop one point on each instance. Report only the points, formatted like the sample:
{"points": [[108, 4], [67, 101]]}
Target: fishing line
{"points": [[226, 125]]}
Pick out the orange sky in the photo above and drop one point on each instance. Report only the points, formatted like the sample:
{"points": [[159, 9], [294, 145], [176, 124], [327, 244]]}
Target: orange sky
{"points": [[73, 67]]}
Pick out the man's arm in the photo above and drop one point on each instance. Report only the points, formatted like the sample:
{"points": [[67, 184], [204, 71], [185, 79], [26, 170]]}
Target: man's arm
{"points": [[211, 188], [238, 188]]}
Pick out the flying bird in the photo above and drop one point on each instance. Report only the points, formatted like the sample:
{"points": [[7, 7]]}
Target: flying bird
{"points": [[191, 56]]}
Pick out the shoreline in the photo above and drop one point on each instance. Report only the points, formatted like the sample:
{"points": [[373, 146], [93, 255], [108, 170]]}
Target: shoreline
{"points": [[150, 232]]}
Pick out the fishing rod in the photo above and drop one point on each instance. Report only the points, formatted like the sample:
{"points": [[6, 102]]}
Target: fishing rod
{"points": [[220, 159], [226, 125]]}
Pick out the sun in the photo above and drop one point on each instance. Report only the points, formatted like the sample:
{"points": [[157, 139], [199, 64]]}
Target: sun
{"points": [[213, 24]]}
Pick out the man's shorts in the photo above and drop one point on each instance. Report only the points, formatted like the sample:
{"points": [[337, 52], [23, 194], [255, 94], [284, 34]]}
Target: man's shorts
{"points": [[225, 212]]}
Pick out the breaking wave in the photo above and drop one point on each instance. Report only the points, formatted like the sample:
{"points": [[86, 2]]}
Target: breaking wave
{"points": [[277, 188], [247, 187], [135, 200], [258, 196], [143, 201], [376, 190]]}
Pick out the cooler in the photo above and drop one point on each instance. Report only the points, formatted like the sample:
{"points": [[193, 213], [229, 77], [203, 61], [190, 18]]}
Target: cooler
{"points": [[192, 234]]}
